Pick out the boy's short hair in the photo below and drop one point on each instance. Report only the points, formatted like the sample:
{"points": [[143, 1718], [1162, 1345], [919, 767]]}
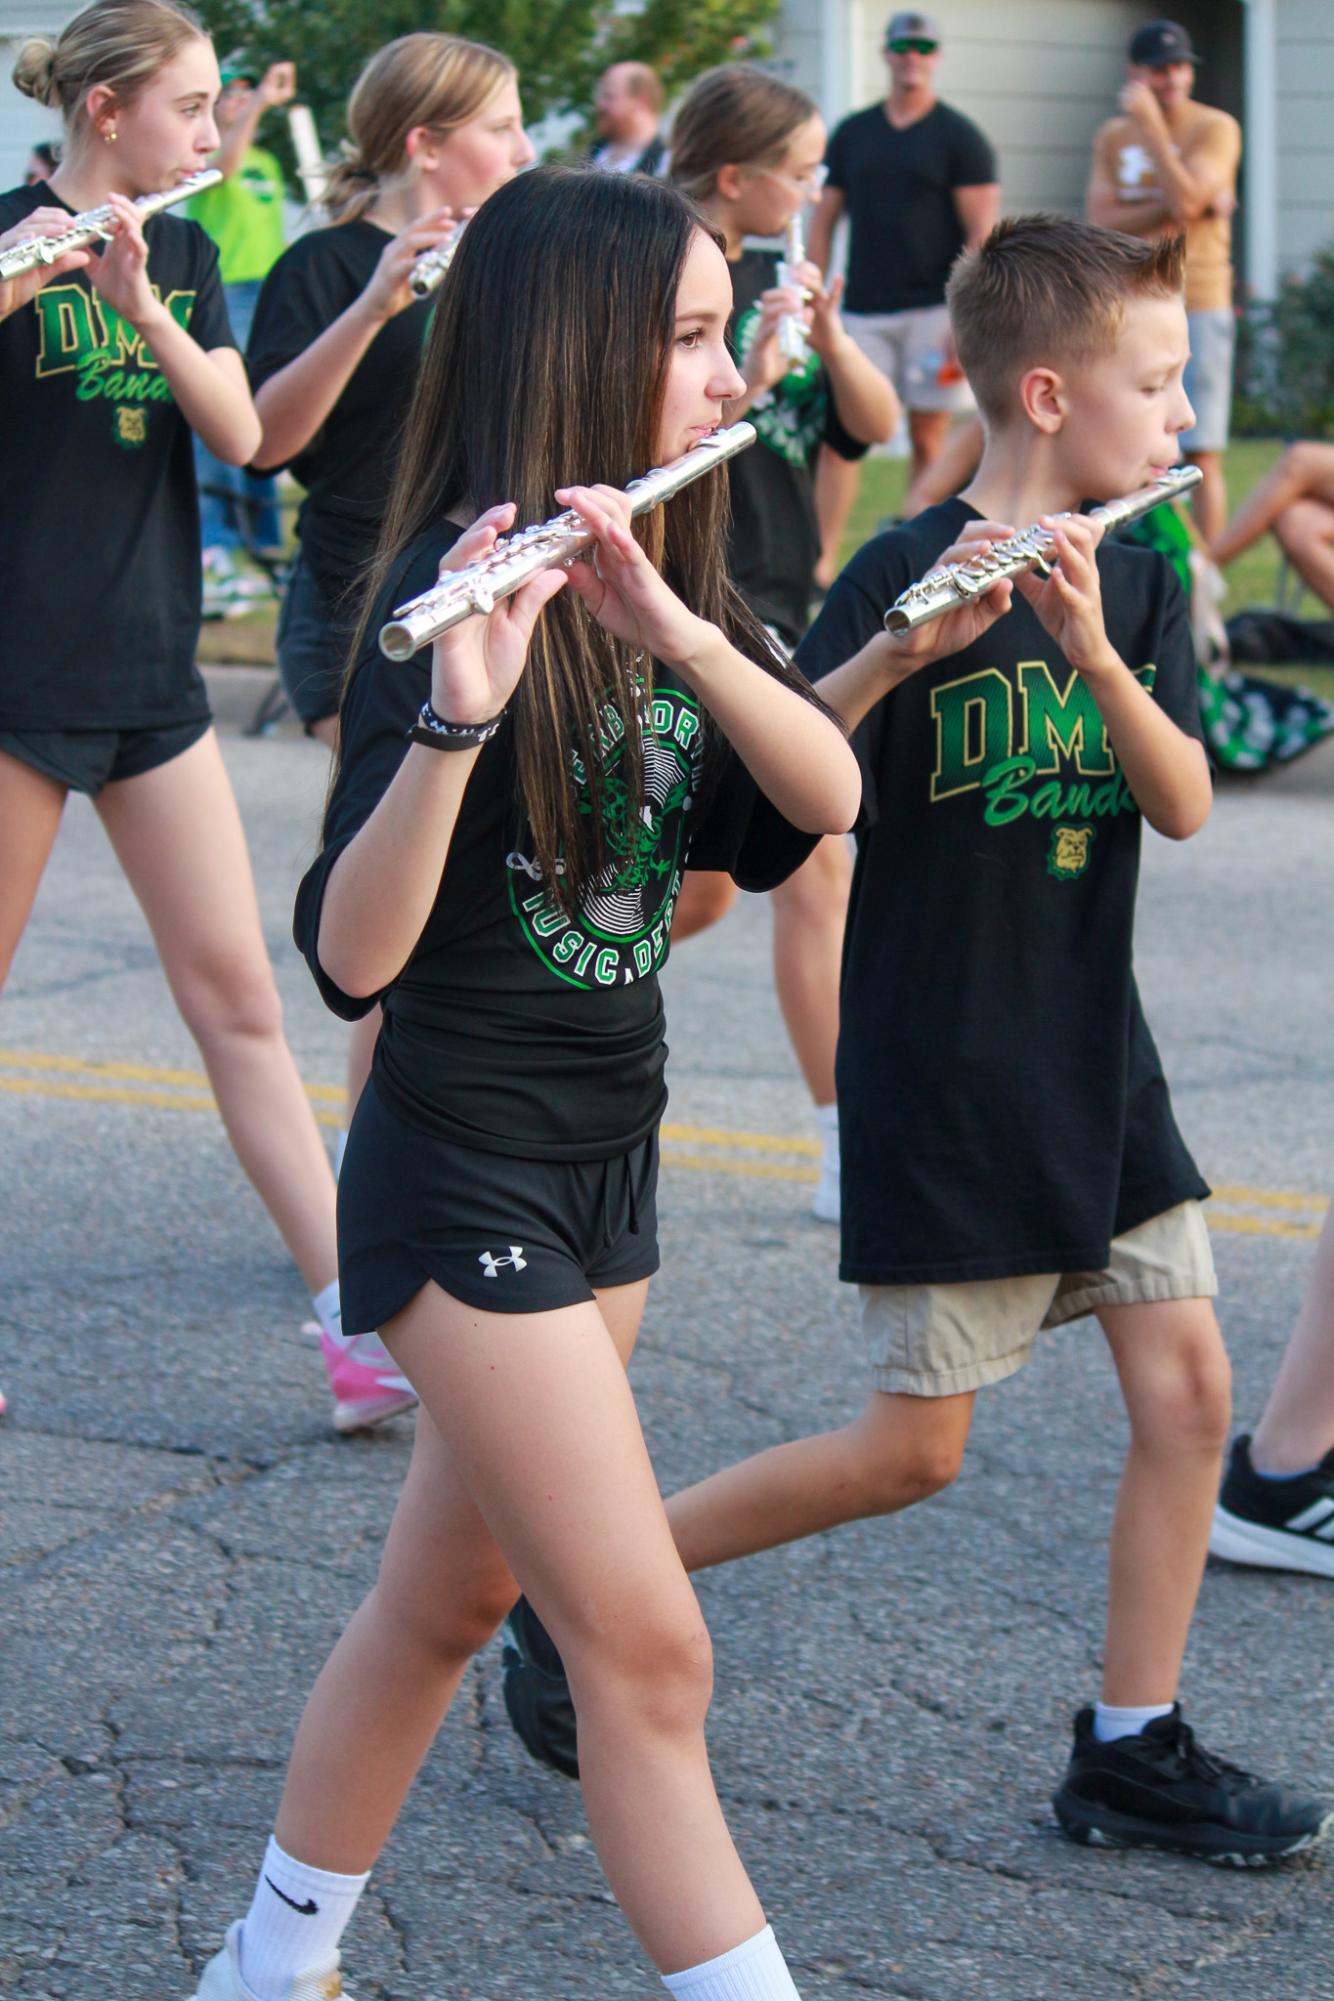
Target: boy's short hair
{"points": [[1047, 289]]}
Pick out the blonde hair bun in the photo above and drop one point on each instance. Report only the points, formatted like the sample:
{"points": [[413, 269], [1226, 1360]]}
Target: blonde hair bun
{"points": [[35, 70]]}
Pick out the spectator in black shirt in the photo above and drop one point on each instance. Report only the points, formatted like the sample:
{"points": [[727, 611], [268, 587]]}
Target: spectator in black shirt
{"points": [[628, 109], [917, 182], [499, 866]]}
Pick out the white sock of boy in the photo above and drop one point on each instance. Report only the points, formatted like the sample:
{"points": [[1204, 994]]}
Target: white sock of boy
{"points": [[1109, 1723]]}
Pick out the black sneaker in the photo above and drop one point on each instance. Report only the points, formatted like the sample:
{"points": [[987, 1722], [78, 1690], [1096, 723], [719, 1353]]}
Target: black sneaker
{"points": [[1277, 1524], [537, 1695], [1160, 1790]]}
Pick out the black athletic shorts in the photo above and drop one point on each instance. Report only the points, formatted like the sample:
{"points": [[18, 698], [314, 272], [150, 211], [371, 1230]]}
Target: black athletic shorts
{"points": [[86, 760], [500, 1233]]}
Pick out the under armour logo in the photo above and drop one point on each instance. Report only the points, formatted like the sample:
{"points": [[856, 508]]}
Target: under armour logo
{"points": [[491, 1264]]}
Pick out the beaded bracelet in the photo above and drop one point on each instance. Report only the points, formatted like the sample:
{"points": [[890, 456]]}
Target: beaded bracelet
{"points": [[434, 731]]}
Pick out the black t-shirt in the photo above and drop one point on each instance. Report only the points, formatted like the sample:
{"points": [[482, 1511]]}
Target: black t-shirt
{"points": [[513, 1028], [99, 528], [1002, 1105], [775, 540], [898, 194], [348, 465]]}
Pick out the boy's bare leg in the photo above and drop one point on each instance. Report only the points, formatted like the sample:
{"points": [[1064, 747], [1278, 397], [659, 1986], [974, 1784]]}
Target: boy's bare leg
{"points": [[1175, 1379], [1297, 1428], [927, 432], [1305, 471], [899, 1450]]}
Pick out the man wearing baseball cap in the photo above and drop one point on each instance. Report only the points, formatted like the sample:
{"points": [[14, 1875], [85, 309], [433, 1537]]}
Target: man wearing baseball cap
{"points": [[917, 182], [1164, 165]]}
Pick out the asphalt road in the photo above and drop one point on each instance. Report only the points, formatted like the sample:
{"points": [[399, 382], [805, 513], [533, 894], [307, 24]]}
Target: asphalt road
{"points": [[182, 1534]]}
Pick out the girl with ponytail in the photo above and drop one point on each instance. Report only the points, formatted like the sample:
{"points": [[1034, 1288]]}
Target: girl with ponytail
{"points": [[108, 362], [435, 126]]}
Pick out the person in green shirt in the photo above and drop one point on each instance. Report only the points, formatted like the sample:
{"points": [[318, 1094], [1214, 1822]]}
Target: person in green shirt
{"points": [[244, 216]]}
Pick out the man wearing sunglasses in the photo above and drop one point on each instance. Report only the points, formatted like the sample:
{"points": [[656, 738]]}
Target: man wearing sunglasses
{"points": [[917, 182]]}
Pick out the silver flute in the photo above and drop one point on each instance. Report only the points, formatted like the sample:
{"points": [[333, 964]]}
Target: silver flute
{"points": [[792, 342], [428, 269], [477, 588], [91, 226], [942, 591]]}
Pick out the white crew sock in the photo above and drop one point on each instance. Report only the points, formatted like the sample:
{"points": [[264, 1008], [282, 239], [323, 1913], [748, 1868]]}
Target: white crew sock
{"points": [[1110, 1723], [294, 1923], [328, 1309], [826, 1124], [755, 1971]]}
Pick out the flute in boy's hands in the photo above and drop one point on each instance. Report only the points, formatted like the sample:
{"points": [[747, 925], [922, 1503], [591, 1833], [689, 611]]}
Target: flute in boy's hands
{"points": [[952, 583]]}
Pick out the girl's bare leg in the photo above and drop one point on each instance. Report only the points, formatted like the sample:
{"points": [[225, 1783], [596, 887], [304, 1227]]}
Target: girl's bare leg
{"points": [[537, 1415], [30, 808], [177, 833], [443, 1589], [1176, 1383], [810, 910], [1297, 1428]]}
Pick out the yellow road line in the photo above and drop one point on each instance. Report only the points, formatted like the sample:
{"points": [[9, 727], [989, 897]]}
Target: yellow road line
{"points": [[32, 1059], [108, 1094], [1271, 1198], [134, 1082]]}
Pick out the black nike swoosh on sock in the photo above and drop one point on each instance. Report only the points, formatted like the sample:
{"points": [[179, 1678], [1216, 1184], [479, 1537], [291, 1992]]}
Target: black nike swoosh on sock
{"points": [[306, 1910]]}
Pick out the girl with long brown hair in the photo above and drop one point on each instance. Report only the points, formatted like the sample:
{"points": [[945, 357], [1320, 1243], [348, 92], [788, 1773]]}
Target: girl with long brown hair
{"points": [[502, 852], [107, 368]]}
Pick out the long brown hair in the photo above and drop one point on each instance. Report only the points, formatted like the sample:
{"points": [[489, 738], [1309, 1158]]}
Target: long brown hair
{"points": [[421, 79], [546, 366]]}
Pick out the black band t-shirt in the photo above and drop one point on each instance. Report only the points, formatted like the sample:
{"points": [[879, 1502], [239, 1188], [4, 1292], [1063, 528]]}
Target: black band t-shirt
{"points": [[515, 1028], [347, 467], [99, 541], [898, 194], [1002, 1105], [775, 540]]}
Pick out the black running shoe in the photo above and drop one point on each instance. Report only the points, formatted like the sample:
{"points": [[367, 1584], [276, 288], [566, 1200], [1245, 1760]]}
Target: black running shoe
{"points": [[537, 1695], [1277, 1524], [1161, 1790]]}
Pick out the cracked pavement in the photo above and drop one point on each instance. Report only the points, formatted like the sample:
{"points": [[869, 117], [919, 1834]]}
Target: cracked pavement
{"points": [[182, 1534]]}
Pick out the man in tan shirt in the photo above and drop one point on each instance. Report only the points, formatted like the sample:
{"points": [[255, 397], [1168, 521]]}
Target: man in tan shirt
{"points": [[1167, 164]]}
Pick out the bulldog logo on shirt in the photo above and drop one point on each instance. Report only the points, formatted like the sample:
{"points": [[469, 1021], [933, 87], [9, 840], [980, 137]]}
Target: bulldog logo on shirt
{"points": [[1068, 855], [130, 427]]}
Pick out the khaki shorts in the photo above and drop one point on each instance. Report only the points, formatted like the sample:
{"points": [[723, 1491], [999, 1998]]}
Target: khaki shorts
{"points": [[909, 348], [938, 1340]]}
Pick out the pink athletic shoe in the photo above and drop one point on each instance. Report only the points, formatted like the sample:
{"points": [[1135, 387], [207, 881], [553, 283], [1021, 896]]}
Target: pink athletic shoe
{"points": [[367, 1387]]}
